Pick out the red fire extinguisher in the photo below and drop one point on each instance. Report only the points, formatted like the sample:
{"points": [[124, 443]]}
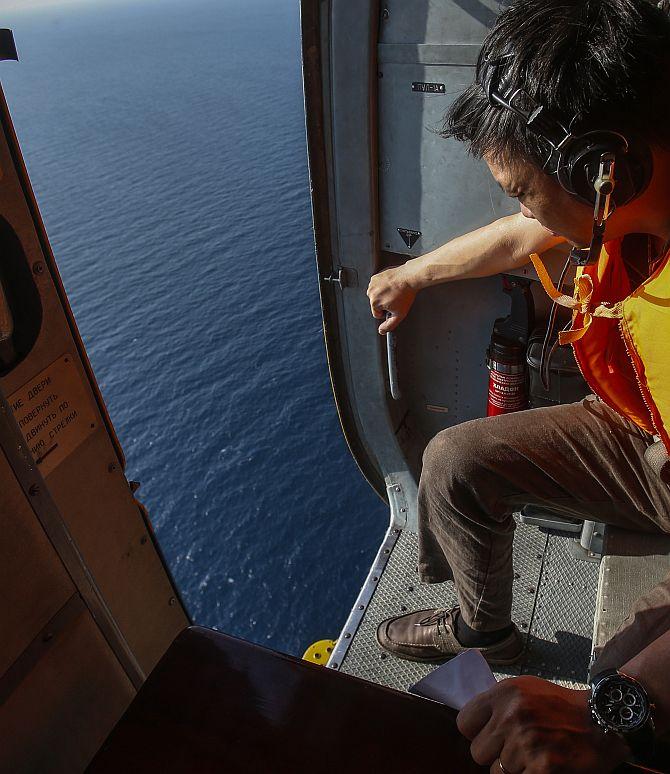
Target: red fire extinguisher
{"points": [[506, 355]]}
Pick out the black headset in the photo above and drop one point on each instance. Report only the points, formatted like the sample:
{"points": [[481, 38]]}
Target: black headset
{"points": [[575, 159]]}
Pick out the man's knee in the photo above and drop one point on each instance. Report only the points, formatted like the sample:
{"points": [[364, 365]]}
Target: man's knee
{"points": [[462, 476], [457, 457]]}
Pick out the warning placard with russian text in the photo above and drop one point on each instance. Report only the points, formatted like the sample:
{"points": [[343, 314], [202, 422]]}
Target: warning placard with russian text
{"points": [[54, 413]]}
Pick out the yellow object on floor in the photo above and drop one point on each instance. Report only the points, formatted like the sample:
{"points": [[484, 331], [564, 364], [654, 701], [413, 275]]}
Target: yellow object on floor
{"points": [[319, 652]]}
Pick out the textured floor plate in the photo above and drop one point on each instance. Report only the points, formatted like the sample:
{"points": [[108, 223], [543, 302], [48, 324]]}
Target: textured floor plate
{"points": [[635, 563], [554, 603]]}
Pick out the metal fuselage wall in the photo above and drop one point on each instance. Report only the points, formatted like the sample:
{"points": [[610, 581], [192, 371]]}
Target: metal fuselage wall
{"points": [[387, 188]]}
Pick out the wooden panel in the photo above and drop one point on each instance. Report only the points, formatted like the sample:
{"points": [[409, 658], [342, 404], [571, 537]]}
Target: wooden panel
{"points": [[64, 708], [34, 583]]}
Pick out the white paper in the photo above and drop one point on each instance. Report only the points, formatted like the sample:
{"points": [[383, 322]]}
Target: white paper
{"points": [[458, 681]]}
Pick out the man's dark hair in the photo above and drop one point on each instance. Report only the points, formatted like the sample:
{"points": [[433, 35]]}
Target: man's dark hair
{"points": [[607, 61]]}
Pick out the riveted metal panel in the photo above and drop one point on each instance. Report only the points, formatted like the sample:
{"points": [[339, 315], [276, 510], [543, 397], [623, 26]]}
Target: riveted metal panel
{"points": [[441, 352], [427, 184], [437, 21], [430, 189], [560, 636]]}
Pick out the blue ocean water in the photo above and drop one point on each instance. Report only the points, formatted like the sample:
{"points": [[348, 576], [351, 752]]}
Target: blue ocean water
{"points": [[165, 142]]}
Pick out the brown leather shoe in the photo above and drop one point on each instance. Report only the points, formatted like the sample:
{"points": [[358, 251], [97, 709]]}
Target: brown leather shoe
{"points": [[428, 636]]}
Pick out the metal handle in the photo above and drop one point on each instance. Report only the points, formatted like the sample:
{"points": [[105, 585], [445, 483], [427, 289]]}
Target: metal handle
{"points": [[392, 359]]}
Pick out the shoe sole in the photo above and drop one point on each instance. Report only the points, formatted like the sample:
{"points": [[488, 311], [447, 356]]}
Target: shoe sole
{"points": [[445, 658]]}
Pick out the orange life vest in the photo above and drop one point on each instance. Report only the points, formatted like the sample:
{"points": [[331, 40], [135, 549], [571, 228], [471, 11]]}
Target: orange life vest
{"points": [[621, 338]]}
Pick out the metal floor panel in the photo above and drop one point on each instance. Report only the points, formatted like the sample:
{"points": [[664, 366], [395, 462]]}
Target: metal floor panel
{"points": [[559, 645], [554, 602]]}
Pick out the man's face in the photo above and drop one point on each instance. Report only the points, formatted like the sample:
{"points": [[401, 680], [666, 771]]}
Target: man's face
{"points": [[542, 198]]}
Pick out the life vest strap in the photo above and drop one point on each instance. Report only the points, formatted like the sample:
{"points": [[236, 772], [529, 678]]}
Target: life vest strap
{"points": [[580, 303]]}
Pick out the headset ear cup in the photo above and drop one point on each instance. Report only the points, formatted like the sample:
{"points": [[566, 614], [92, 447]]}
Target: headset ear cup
{"points": [[639, 168], [581, 166], [564, 174], [625, 189]]}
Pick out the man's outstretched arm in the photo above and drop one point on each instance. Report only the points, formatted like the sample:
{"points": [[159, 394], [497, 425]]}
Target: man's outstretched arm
{"points": [[500, 246]]}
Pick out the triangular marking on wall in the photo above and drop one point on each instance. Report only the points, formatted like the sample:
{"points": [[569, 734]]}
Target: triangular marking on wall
{"points": [[409, 237]]}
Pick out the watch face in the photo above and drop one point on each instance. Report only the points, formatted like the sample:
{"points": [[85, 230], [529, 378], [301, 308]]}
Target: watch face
{"points": [[621, 704]]}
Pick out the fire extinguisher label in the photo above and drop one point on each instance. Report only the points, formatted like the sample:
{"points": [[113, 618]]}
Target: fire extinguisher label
{"points": [[507, 392]]}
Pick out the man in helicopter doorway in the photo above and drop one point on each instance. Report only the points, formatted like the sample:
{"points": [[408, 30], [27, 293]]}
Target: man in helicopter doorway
{"points": [[570, 110]]}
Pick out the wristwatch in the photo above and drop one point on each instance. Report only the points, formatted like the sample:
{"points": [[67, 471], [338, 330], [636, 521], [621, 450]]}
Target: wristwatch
{"points": [[620, 705]]}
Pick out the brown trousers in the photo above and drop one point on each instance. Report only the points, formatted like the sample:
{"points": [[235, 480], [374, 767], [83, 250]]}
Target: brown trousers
{"points": [[582, 457]]}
